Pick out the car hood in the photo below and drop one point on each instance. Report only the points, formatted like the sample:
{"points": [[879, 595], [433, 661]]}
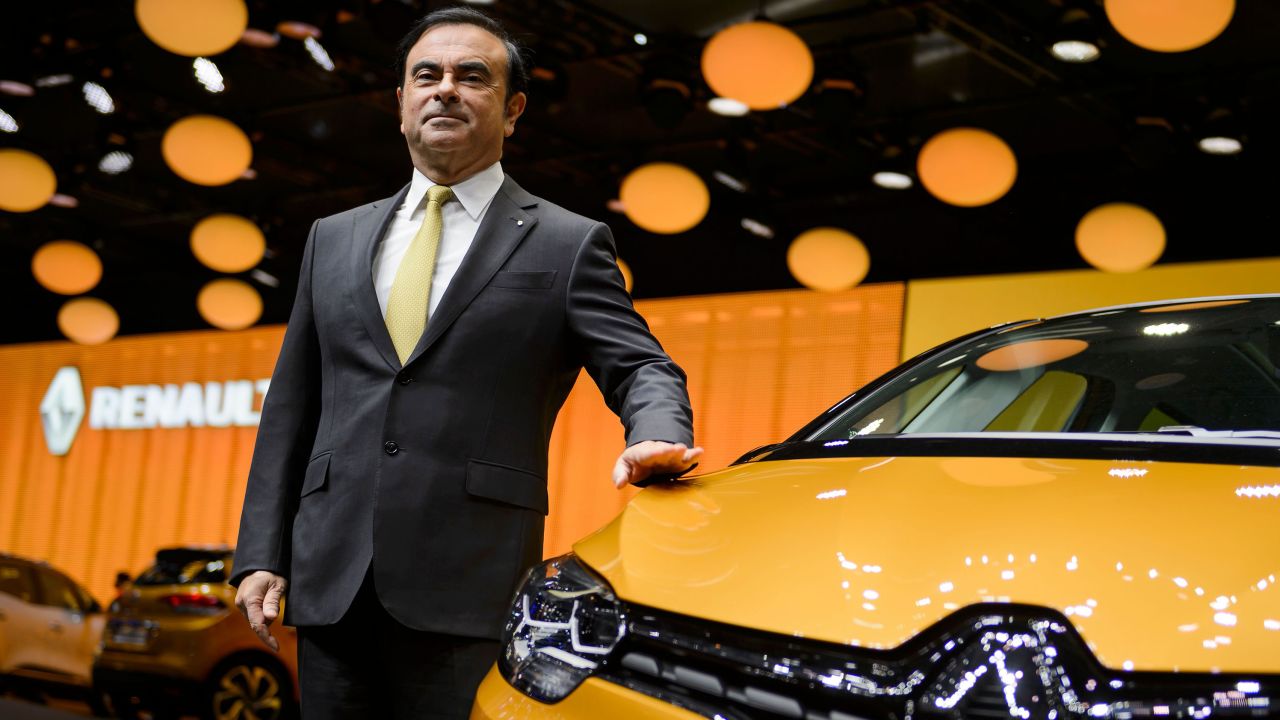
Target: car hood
{"points": [[1159, 565]]}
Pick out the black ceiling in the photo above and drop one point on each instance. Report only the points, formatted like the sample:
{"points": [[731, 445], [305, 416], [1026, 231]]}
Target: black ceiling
{"points": [[1121, 128]]}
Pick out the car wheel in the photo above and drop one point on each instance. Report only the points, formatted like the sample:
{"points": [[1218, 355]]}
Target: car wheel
{"points": [[249, 688]]}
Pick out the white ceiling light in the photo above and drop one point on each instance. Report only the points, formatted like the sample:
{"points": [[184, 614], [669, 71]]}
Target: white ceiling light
{"points": [[98, 98], [265, 278], [641, 39], [208, 75], [12, 87], [54, 80], [729, 181], [892, 180], [115, 162], [1075, 51], [318, 53], [1220, 145], [727, 107], [755, 227]]}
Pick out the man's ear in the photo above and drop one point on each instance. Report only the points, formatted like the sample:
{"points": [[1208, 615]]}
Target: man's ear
{"points": [[400, 108], [515, 108]]}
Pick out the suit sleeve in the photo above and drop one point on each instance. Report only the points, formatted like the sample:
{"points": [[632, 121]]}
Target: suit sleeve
{"points": [[286, 432], [639, 381]]}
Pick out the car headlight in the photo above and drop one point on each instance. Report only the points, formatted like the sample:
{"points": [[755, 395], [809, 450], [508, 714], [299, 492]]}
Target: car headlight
{"points": [[564, 621]]}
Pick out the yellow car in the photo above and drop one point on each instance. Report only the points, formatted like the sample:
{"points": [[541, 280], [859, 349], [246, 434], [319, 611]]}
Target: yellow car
{"points": [[174, 644], [1076, 517]]}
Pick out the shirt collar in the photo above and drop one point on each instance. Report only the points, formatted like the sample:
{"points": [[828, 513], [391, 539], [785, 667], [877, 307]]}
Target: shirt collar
{"points": [[475, 193]]}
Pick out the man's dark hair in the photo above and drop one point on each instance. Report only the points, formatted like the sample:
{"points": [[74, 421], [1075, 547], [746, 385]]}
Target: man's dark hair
{"points": [[517, 73]]}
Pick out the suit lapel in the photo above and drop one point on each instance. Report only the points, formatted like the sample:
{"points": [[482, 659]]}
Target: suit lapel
{"points": [[505, 224], [368, 227]]}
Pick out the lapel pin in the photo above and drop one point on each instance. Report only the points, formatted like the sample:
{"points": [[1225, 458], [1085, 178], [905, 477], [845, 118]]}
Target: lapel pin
{"points": [[519, 222]]}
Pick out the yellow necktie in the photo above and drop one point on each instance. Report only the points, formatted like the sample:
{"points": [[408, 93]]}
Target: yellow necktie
{"points": [[411, 290]]}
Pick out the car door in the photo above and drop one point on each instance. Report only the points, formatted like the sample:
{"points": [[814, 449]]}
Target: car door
{"points": [[17, 603], [63, 626]]}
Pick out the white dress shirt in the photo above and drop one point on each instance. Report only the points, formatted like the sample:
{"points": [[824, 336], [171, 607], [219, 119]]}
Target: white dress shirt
{"points": [[460, 219]]}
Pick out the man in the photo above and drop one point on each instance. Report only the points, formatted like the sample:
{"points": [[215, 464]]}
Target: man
{"points": [[398, 484]]}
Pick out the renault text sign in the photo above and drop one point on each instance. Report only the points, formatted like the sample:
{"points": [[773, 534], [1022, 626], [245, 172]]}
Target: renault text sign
{"points": [[211, 404], [142, 407]]}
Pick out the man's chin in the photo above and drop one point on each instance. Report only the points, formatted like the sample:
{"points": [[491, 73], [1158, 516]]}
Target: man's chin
{"points": [[442, 139]]}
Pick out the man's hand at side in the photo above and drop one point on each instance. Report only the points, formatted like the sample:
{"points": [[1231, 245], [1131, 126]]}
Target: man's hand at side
{"points": [[652, 456], [259, 600]]}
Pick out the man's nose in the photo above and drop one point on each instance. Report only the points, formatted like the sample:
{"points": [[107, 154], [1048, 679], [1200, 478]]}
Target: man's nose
{"points": [[446, 90]]}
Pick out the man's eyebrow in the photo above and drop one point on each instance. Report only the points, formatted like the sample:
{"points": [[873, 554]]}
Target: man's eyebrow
{"points": [[424, 65], [464, 66], [473, 66]]}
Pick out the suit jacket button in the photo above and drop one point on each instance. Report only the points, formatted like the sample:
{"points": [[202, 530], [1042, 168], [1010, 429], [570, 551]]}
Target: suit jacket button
{"points": [[391, 447], [404, 378]]}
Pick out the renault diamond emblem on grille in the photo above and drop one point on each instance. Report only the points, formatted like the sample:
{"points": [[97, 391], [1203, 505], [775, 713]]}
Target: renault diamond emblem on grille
{"points": [[1005, 671], [62, 410]]}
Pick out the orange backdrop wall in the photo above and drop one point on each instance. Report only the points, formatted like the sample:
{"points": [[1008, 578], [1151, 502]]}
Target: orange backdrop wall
{"points": [[759, 365]]}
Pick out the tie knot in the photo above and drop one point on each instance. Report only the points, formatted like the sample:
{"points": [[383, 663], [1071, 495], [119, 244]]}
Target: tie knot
{"points": [[439, 194]]}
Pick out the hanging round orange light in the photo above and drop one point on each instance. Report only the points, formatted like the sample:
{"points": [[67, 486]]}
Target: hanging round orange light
{"points": [[206, 150], [66, 267], [229, 304], [1169, 25], [760, 64], [627, 278], [1120, 237], [227, 243], [88, 321], [192, 27], [828, 259], [664, 198], [26, 181], [967, 167]]}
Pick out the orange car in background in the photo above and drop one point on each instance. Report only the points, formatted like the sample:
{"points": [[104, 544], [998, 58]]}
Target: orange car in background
{"points": [[175, 644], [49, 630]]}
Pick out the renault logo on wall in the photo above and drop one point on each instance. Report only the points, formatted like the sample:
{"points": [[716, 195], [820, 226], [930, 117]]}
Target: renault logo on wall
{"points": [[62, 410], [143, 407]]}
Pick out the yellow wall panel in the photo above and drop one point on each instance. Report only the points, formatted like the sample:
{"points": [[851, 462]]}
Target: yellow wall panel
{"points": [[939, 310], [760, 365]]}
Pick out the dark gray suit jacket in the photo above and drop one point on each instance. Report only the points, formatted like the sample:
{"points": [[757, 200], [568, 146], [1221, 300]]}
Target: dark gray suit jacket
{"points": [[435, 472]]}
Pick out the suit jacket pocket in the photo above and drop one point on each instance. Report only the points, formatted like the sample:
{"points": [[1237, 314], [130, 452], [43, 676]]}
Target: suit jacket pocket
{"points": [[317, 475], [524, 280], [506, 484]]}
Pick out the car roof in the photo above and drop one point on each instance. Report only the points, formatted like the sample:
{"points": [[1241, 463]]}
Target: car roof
{"points": [[27, 560]]}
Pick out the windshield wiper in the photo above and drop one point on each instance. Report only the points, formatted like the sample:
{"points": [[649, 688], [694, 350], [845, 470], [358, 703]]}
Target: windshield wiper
{"points": [[1197, 431]]}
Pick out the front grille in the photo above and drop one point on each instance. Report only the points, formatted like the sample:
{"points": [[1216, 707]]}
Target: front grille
{"points": [[984, 663]]}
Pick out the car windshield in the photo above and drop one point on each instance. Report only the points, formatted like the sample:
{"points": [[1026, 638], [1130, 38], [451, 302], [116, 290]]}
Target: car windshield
{"points": [[1195, 368], [181, 565]]}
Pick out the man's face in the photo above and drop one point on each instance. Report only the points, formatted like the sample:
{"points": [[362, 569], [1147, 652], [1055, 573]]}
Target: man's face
{"points": [[454, 112]]}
